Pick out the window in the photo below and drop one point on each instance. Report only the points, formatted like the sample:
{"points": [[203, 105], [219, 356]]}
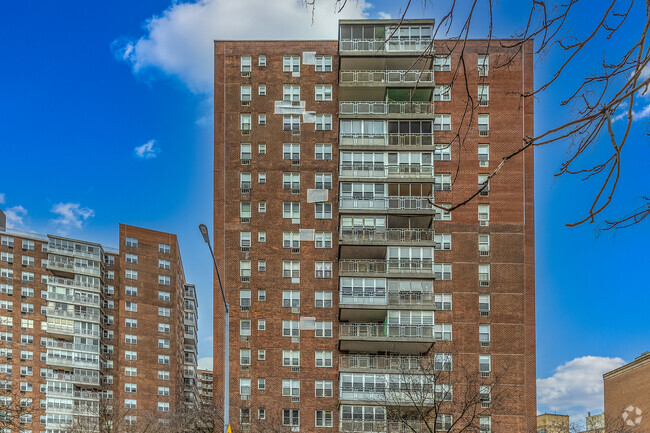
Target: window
{"points": [[261, 177], [245, 182], [261, 295], [27, 261], [261, 149], [291, 64], [131, 242], [442, 301], [323, 358], [7, 241], [323, 211], [484, 274], [485, 424], [323, 240], [261, 119], [244, 239], [290, 328], [163, 390], [442, 92], [442, 122], [484, 214], [131, 306], [290, 387], [442, 63], [245, 151], [164, 328], [291, 417], [164, 296], [245, 415], [261, 324], [323, 329], [323, 269], [163, 375], [442, 241], [323, 181], [443, 422], [261, 90], [291, 181], [27, 276], [163, 359], [323, 64], [323, 122], [245, 270], [163, 343], [163, 406], [484, 335], [291, 210], [291, 151], [483, 65], [483, 154], [483, 124], [164, 311], [131, 291], [261, 413], [483, 185], [131, 371], [323, 152], [8, 257], [323, 92], [484, 364], [261, 207], [442, 182], [261, 237], [130, 355], [131, 323], [261, 60], [291, 92], [261, 355], [323, 418], [130, 403], [244, 387], [442, 271], [131, 274], [291, 298], [244, 211], [245, 122], [164, 248], [483, 94], [442, 331], [261, 383], [323, 299], [291, 358], [244, 357], [245, 95], [245, 327], [244, 299], [324, 388], [245, 66], [26, 386], [442, 362]]}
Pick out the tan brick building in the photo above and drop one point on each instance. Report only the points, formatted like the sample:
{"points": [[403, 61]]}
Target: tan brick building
{"points": [[552, 423], [99, 328], [334, 261], [204, 387], [627, 396]]}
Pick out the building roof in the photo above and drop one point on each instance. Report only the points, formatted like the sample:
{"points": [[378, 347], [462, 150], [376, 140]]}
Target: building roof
{"points": [[640, 360]]}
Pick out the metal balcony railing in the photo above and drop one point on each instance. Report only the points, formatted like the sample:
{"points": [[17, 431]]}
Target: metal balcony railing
{"points": [[385, 139], [381, 297], [378, 170], [386, 203], [72, 346], [385, 107], [72, 362], [379, 266], [386, 235], [357, 426], [53, 248], [386, 77], [73, 283], [365, 330], [74, 378], [68, 330], [62, 392], [90, 317], [410, 364], [393, 45], [74, 267], [72, 299]]}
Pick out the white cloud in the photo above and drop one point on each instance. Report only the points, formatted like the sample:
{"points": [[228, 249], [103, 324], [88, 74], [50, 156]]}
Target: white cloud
{"points": [[15, 216], [2, 198], [384, 15], [576, 386], [179, 41], [205, 363], [147, 150], [71, 215]]}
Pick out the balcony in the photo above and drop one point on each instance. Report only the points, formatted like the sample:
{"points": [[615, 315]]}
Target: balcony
{"points": [[386, 108], [58, 329], [69, 361], [378, 267], [58, 281], [72, 299], [373, 141], [356, 426], [380, 337], [354, 362], [66, 345], [82, 379], [371, 305], [395, 236], [390, 203], [68, 393], [73, 268], [377, 46], [69, 251], [380, 78], [75, 315], [385, 171], [189, 335]]}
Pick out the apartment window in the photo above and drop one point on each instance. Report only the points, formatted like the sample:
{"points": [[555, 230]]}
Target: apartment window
{"points": [[442, 92], [164, 311], [131, 306], [442, 331], [484, 305], [291, 358], [131, 323], [244, 387], [484, 275], [261, 295], [27, 261], [261, 90], [164, 248], [130, 274], [245, 151], [323, 329], [442, 362], [442, 241], [245, 182], [483, 124], [163, 359], [27, 323], [163, 406], [442, 63], [484, 364], [291, 93], [442, 271], [130, 355], [261, 149], [7, 241], [291, 64], [164, 328], [27, 277], [26, 386], [163, 343], [484, 335], [290, 269], [324, 389], [442, 301], [485, 424], [164, 296], [323, 211], [291, 151], [483, 94], [245, 122], [261, 60], [163, 391], [443, 422], [261, 119], [261, 383], [244, 211], [163, 375], [323, 64], [323, 358], [323, 240], [290, 328], [245, 299], [131, 371], [26, 370], [244, 357], [8, 257], [323, 181], [442, 182], [323, 269], [261, 207], [130, 403], [245, 65], [261, 177], [484, 214], [291, 417], [261, 324], [323, 418], [323, 152], [244, 240], [291, 122], [7, 273], [323, 92], [291, 210], [261, 236], [323, 299], [131, 242], [442, 122], [483, 65], [483, 154], [25, 307], [261, 355], [245, 95], [291, 298], [291, 181], [131, 290], [245, 327], [483, 185], [291, 387], [323, 122]]}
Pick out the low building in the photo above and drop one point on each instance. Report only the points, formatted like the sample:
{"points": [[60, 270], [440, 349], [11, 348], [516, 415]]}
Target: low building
{"points": [[552, 423], [627, 396], [205, 387], [595, 423]]}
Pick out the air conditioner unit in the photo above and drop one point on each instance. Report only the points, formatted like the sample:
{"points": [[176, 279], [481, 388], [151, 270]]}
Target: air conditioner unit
{"points": [[246, 308], [295, 399], [295, 131], [485, 405], [245, 279], [245, 73], [245, 249], [246, 103], [484, 253], [295, 162], [483, 133], [485, 283], [484, 223], [248, 191], [485, 374], [483, 163], [244, 220], [244, 397], [248, 132], [295, 369], [245, 162], [485, 313], [295, 250], [295, 190], [295, 310], [295, 339], [485, 344], [483, 102]]}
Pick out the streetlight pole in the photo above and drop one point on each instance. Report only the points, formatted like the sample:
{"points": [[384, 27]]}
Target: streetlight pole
{"points": [[226, 368]]}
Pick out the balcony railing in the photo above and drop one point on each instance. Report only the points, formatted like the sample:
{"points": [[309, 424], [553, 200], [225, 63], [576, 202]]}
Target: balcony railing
{"points": [[62, 392], [72, 362], [53, 248], [74, 378], [389, 139], [386, 235], [393, 45], [357, 426], [90, 317], [72, 299], [386, 77], [74, 267], [375, 170], [379, 266], [381, 297], [68, 330], [72, 346], [398, 364], [386, 203], [365, 330], [72, 283], [385, 107]]}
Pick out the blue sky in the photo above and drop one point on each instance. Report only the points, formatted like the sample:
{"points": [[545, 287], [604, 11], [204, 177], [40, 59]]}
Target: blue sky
{"points": [[106, 117]]}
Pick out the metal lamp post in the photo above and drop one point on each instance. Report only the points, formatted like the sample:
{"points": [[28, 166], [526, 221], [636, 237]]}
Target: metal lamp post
{"points": [[226, 386]]}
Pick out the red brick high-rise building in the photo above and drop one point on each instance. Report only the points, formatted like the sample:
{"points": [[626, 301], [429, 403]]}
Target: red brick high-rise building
{"points": [[337, 268]]}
